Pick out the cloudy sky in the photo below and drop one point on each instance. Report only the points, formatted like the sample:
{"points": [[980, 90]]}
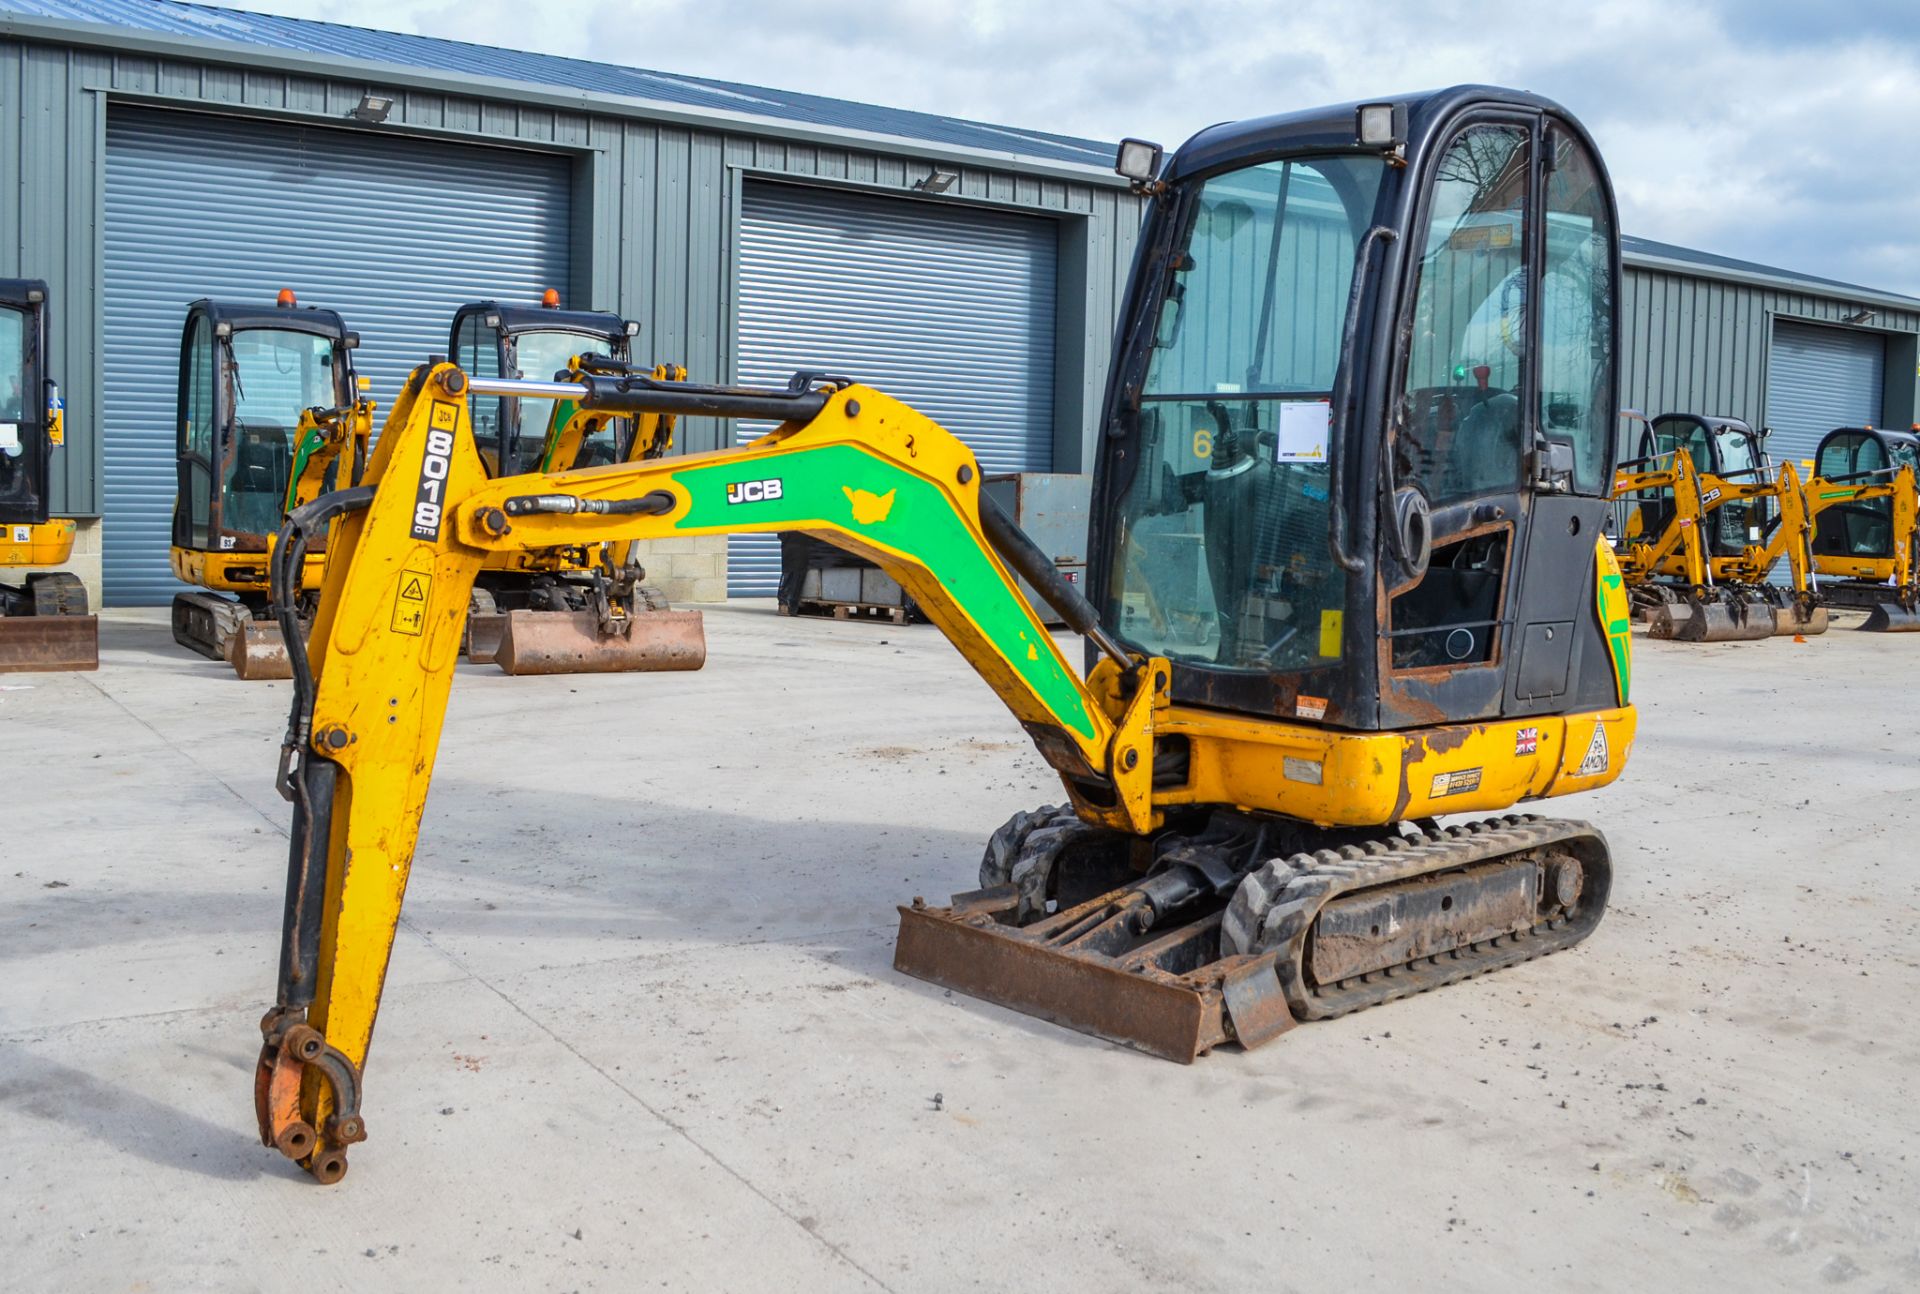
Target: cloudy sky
{"points": [[1780, 131]]}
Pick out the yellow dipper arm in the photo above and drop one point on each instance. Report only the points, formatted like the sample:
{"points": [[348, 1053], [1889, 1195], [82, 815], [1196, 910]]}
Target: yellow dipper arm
{"points": [[850, 466]]}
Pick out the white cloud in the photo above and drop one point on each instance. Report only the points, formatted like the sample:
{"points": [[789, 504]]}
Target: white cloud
{"points": [[1760, 129]]}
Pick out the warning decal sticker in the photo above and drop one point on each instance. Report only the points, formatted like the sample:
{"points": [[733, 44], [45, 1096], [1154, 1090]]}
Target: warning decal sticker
{"points": [[1596, 758], [1467, 779], [410, 602]]}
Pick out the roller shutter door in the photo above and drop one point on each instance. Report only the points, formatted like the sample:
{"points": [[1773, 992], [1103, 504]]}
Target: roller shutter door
{"points": [[948, 308], [392, 232], [1819, 379]]}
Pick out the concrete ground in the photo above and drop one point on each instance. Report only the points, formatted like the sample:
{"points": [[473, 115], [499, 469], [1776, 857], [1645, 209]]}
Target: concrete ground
{"points": [[642, 1030]]}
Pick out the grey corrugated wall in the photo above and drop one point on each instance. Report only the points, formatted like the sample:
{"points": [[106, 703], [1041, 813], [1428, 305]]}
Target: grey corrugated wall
{"points": [[655, 205], [1700, 345]]}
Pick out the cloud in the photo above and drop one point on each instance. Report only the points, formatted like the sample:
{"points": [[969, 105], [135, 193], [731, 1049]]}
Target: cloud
{"points": [[1772, 130]]}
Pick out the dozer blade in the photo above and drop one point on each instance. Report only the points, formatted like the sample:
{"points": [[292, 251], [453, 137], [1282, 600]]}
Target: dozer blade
{"points": [[1891, 618], [46, 643], [570, 642], [484, 632], [258, 651], [203, 622], [1307, 937]]}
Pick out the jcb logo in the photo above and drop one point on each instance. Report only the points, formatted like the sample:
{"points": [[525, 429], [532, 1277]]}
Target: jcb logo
{"points": [[754, 491], [430, 500], [1710, 495]]}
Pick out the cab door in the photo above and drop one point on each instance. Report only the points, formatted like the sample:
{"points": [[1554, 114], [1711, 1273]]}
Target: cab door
{"points": [[1505, 423], [1459, 426], [195, 449], [23, 415], [1560, 660]]}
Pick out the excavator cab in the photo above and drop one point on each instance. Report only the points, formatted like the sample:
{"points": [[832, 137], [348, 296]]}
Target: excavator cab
{"points": [[253, 381], [1378, 534], [504, 339], [1725, 449], [44, 623], [1862, 529], [1866, 540]]}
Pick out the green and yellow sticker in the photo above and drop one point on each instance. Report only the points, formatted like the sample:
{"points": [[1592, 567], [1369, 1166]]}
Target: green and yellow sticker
{"points": [[1616, 616]]}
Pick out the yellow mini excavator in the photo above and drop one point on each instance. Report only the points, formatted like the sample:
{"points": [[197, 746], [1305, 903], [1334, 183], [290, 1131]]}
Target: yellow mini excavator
{"points": [[1707, 519], [572, 608], [269, 416], [44, 623], [1866, 516], [1403, 604]]}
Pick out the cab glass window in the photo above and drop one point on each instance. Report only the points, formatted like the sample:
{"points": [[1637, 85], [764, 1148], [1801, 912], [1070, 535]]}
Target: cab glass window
{"points": [[197, 433], [274, 375], [478, 352], [539, 356], [1223, 554], [19, 458], [13, 365], [1576, 313], [1459, 413]]}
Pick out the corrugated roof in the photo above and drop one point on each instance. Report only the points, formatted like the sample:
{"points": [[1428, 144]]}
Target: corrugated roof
{"points": [[307, 36], [1646, 249]]}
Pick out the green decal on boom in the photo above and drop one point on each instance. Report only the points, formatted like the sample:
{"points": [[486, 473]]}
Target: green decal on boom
{"points": [[306, 449], [562, 414], [842, 486]]}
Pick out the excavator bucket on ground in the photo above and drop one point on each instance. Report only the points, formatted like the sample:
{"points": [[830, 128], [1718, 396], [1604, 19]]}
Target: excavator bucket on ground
{"points": [[1805, 619], [1711, 620], [574, 642], [1892, 618], [258, 651], [485, 629]]}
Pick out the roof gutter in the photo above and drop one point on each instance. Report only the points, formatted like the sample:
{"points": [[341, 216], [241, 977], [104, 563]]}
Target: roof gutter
{"points": [[1777, 282], [130, 40]]}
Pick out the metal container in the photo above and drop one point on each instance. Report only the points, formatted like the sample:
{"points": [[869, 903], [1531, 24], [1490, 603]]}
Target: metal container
{"points": [[1052, 508]]}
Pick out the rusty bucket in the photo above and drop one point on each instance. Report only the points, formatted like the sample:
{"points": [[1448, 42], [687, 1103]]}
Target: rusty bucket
{"points": [[484, 632], [571, 642], [257, 651]]}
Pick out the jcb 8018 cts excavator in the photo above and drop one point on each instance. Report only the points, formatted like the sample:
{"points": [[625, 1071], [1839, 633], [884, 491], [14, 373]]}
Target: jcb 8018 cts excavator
{"points": [[1866, 516], [574, 608], [269, 416], [44, 624], [1408, 607]]}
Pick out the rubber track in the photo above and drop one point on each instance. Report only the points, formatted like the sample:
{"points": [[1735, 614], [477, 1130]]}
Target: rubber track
{"points": [[1277, 904]]}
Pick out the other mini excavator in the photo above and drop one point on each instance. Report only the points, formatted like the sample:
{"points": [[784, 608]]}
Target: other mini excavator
{"points": [[1707, 520], [44, 622], [1866, 517], [572, 608], [1410, 610], [270, 416]]}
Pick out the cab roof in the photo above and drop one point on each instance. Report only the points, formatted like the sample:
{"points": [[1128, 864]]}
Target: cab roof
{"points": [[518, 317], [1334, 129], [245, 315]]}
